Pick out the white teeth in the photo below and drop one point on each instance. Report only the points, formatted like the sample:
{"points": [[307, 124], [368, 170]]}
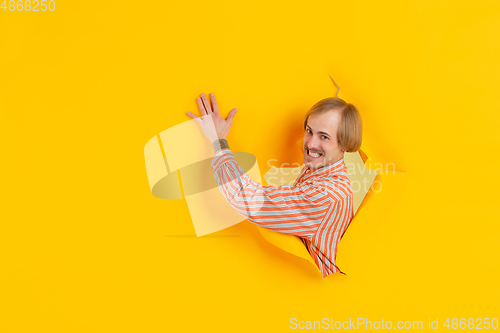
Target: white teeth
{"points": [[314, 154]]}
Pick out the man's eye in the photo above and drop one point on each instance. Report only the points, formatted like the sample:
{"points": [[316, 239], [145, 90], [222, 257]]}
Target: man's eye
{"points": [[325, 136]]}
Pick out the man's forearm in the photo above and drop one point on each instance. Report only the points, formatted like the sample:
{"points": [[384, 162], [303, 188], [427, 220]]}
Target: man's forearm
{"points": [[219, 145]]}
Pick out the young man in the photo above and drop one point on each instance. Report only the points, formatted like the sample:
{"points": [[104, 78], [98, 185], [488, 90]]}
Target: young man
{"points": [[318, 206]]}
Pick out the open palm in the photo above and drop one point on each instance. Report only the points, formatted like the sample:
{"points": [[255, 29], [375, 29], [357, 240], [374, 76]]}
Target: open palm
{"points": [[213, 125]]}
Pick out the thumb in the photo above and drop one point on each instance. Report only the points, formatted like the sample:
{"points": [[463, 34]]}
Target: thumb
{"points": [[231, 115], [194, 117]]}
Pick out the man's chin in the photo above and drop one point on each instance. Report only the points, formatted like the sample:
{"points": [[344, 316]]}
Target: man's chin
{"points": [[313, 166]]}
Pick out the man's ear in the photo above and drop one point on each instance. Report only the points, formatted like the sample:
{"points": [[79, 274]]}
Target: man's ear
{"points": [[342, 148]]}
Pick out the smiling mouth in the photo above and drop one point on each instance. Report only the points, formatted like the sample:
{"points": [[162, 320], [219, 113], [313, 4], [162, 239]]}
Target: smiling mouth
{"points": [[314, 155]]}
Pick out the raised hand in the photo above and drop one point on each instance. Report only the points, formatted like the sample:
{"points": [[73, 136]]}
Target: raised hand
{"points": [[213, 125]]}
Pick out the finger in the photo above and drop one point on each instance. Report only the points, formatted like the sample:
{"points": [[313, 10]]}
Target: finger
{"points": [[197, 119], [205, 102], [215, 106], [231, 116], [191, 115], [202, 107]]}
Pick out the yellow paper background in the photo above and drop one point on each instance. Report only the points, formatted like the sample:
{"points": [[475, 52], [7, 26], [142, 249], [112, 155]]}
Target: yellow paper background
{"points": [[84, 245]]}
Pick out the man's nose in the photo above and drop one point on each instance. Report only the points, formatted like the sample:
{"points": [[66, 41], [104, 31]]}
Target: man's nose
{"points": [[313, 142]]}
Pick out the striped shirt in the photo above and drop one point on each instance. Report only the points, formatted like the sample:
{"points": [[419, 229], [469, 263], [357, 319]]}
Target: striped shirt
{"points": [[317, 207]]}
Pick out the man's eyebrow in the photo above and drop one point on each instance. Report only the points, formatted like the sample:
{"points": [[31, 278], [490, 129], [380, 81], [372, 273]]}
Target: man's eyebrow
{"points": [[320, 132]]}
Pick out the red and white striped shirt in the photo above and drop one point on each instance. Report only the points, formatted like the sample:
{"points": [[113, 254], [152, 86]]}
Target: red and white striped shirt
{"points": [[317, 207]]}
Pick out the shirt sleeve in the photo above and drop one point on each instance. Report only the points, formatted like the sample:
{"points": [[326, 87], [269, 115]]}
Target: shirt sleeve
{"points": [[297, 210]]}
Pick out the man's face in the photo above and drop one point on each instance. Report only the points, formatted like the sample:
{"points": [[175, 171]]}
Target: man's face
{"points": [[320, 137]]}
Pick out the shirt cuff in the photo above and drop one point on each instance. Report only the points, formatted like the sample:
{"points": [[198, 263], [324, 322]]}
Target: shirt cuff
{"points": [[221, 157]]}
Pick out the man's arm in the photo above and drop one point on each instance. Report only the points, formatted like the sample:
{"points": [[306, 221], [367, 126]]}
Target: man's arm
{"points": [[219, 144], [297, 210]]}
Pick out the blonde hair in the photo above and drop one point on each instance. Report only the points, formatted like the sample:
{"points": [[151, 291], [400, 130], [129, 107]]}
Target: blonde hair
{"points": [[349, 134]]}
